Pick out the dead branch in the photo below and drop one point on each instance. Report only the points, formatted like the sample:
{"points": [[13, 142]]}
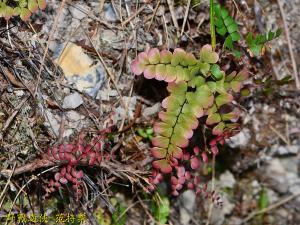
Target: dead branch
{"points": [[114, 167]]}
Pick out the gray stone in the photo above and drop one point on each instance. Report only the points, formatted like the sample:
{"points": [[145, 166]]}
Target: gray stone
{"points": [[290, 164], [282, 213], [75, 121], [227, 180], [284, 150], [235, 221], [72, 101], [109, 36], [255, 187], [272, 196], [275, 167], [218, 214], [52, 122], [77, 13], [188, 200], [227, 205], [282, 175], [113, 39], [277, 175], [185, 216], [161, 10], [68, 132], [241, 139], [113, 93], [79, 69], [74, 116], [188, 203], [109, 13], [295, 189], [150, 111], [130, 102]]}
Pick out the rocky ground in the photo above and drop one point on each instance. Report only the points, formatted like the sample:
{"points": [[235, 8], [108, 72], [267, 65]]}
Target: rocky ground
{"points": [[93, 42]]}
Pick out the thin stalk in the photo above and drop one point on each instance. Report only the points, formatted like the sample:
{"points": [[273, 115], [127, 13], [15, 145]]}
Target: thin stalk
{"points": [[212, 25]]}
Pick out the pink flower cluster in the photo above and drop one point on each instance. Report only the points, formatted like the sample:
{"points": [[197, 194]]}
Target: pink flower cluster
{"points": [[70, 156], [180, 176], [184, 175], [66, 174]]}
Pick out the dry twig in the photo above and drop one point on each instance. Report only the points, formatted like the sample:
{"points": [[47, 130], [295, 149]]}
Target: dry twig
{"points": [[185, 16], [171, 7], [13, 115], [133, 15], [6, 185], [271, 207], [212, 188], [109, 73], [23, 187], [290, 45], [11, 77], [154, 13], [54, 26], [114, 167]]}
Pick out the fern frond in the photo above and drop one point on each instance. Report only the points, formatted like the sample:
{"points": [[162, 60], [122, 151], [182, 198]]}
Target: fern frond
{"points": [[198, 88], [183, 108], [256, 44], [172, 67], [226, 26]]}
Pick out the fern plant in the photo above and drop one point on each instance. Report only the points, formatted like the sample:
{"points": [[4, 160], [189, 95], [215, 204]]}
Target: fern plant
{"points": [[22, 8], [226, 26], [198, 89], [256, 44]]}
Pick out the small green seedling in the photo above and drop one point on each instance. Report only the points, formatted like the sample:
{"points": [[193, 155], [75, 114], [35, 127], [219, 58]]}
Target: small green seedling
{"points": [[146, 133], [226, 26], [256, 44], [161, 209]]}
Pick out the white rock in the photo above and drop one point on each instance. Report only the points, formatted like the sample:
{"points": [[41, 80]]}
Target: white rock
{"points": [[275, 168], [188, 203], [75, 120], [72, 101], [149, 111], [52, 122], [227, 205], [74, 116], [241, 139], [284, 150], [295, 189], [277, 175], [255, 187], [103, 95], [113, 93], [77, 13], [255, 184], [185, 216], [227, 179], [290, 164], [235, 220], [272, 196], [19, 93], [282, 212], [188, 200], [130, 102], [68, 132], [109, 13], [218, 214]]}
